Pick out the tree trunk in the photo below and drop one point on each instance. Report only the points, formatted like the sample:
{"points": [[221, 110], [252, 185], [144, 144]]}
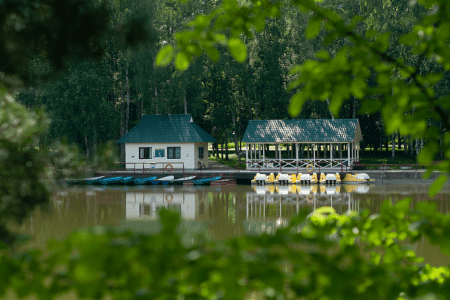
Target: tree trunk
{"points": [[127, 117], [95, 142], [393, 146], [417, 147], [399, 140], [328, 103], [142, 109], [221, 143], [122, 132], [354, 108], [226, 145], [88, 152], [154, 85], [406, 144], [440, 141], [236, 150], [185, 102]]}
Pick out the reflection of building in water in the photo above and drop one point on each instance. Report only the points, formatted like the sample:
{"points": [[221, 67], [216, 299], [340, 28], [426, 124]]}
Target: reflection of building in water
{"points": [[148, 203], [271, 206]]}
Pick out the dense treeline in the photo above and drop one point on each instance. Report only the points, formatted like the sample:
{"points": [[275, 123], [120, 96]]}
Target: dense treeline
{"points": [[98, 101]]}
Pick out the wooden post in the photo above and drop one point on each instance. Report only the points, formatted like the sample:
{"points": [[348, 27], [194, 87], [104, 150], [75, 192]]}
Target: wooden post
{"points": [[314, 154], [259, 151], [246, 156], [348, 152], [279, 154], [264, 153], [331, 155]]}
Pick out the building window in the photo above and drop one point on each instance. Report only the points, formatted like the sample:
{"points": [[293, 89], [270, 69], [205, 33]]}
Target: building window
{"points": [[145, 152], [201, 152], [173, 152]]}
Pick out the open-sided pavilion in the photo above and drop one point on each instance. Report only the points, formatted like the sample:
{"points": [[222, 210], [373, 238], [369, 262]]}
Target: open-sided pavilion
{"points": [[324, 144]]}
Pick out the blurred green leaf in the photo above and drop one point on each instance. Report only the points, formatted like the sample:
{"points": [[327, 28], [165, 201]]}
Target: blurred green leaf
{"points": [[296, 104], [165, 56], [182, 61], [237, 49], [313, 27], [437, 185], [213, 53]]}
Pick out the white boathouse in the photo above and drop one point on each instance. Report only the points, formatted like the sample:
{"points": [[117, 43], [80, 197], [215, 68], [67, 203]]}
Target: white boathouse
{"points": [[166, 141]]}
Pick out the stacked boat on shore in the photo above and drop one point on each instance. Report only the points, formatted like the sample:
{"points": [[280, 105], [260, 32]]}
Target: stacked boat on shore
{"points": [[129, 180], [329, 178]]}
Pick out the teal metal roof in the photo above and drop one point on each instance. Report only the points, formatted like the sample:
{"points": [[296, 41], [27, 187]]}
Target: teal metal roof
{"points": [[166, 129], [303, 131]]}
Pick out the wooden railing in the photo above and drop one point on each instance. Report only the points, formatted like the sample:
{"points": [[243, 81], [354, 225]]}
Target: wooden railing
{"points": [[144, 168], [298, 165], [290, 164]]}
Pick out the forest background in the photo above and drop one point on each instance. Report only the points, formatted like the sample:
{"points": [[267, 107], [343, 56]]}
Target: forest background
{"points": [[99, 100], [321, 255]]}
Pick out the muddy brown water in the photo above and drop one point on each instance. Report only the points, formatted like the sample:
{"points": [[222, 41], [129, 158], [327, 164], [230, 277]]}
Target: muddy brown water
{"points": [[221, 212]]}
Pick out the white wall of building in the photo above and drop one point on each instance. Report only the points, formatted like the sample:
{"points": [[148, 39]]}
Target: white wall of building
{"points": [[204, 161], [187, 157]]}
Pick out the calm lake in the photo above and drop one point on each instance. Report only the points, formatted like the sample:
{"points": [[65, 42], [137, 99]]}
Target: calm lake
{"points": [[221, 212]]}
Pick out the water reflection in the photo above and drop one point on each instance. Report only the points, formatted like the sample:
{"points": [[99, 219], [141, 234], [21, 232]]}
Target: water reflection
{"points": [[271, 206], [222, 211]]}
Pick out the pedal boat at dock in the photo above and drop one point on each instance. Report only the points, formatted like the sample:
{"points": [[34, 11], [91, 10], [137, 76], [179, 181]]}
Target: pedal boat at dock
{"points": [[359, 178], [330, 178], [259, 179]]}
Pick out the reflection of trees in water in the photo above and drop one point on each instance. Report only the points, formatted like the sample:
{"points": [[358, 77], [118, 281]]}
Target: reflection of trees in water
{"points": [[223, 209], [373, 201], [227, 212]]}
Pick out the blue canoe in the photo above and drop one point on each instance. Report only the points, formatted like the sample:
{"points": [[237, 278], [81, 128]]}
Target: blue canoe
{"points": [[163, 180], [206, 181], [89, 180], [111, 180], [145, 180], [96, 180], [126, 180]]}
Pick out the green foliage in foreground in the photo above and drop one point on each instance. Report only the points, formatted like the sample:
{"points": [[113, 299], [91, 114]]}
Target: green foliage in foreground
{"points": [[26, 174], [318, 256]]}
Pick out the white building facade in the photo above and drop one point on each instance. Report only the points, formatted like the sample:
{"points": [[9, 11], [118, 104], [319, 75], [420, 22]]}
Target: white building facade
{"points": [[166, 142]]}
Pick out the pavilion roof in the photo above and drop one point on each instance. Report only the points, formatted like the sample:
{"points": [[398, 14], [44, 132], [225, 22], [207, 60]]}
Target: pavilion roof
{"points": [[303, 131]]}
